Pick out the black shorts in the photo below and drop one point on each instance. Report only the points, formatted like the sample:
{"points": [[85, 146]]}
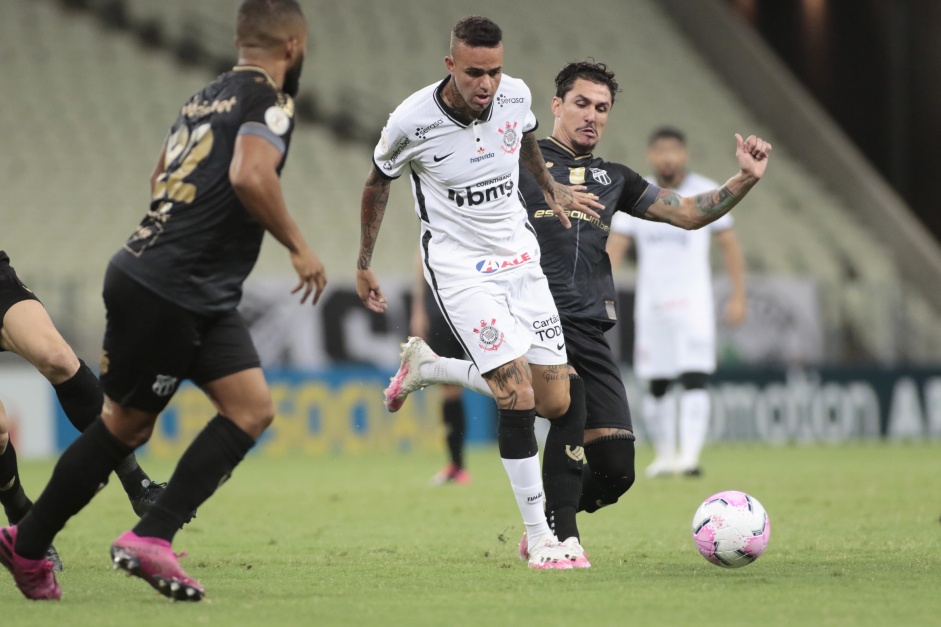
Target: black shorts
{"points": [[152, 344], [440, 337], [589, 353], [12, 290]]}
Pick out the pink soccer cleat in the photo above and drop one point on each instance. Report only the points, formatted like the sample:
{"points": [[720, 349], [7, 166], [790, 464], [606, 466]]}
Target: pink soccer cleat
{"points": [[548, 554], [154, 561], [451, 474], [408, 378], [576, 553], [34, 578]]}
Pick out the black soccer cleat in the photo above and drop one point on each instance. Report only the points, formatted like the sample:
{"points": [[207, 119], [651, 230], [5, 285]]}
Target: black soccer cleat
{"points": [[144, 501], [53, 556]]}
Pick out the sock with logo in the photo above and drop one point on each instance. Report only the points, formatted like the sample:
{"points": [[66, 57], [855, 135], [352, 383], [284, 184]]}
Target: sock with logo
{"points": [[454, 425], [206, 465], [82, 399], [12, 496], [520, 455], [80, 471], [455, 372], [562, 461]]}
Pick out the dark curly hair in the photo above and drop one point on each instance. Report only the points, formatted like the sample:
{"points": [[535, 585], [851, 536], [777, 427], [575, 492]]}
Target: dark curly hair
{"points": [[588, 70], [477, 32], [666, 132]]}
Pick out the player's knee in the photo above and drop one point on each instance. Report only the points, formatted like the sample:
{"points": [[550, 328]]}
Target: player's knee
{"points": [[554, 407], [57, 362], [254, 419], [694, 380], [611, 461], [659, 387]]}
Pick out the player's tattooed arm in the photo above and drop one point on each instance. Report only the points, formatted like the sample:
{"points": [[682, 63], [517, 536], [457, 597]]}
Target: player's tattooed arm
{"points": [[698, 211], [560, 198], [372, 209]]}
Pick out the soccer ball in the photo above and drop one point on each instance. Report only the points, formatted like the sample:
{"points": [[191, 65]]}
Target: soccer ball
{"points": [[731, 529]]}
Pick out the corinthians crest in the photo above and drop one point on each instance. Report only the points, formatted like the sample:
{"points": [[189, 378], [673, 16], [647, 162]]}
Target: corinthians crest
{"points": [[489, 337], [510, 138]]}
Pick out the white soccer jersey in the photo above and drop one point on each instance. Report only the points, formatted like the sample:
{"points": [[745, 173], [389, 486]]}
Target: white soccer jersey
{"points": [[674, 311], [672, 263], [464, 176]]}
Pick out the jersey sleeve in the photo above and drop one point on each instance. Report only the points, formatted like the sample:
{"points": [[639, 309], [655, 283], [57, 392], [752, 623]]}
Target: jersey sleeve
{"points": [[637, 194], [267, 115], [530, 123], [394, 150]]}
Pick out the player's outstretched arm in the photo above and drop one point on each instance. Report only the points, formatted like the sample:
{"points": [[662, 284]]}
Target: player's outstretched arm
{"points": [[560, 198], [254, 177], [372, 210], [697, 211]]}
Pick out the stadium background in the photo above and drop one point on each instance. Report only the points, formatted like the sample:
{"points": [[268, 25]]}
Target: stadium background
{"points": [[843, 339]]}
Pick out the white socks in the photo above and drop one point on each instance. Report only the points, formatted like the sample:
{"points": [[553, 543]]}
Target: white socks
{"points": [[455, 372], [660, 418], [694, 424], [526, 481]]}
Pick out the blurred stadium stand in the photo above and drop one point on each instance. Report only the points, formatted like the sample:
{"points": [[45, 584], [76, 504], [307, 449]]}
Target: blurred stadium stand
{"points": [[91, 87]]}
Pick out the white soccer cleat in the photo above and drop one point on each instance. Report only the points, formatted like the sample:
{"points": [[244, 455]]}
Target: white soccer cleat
{"points": [[576, 553], [408, 379], [549, 554], [661, 467]]}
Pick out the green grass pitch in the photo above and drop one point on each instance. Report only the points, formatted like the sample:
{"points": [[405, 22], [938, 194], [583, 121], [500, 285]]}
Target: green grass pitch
{"points": [[364, 540]]}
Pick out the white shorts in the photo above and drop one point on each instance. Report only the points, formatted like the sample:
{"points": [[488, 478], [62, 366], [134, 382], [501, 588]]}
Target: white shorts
{"points": [[671, 341], [504, 317]]}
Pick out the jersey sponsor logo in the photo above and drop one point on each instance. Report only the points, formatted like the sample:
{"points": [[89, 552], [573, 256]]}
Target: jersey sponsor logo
{"points": [[439, 159], [511, 139], [506, 100], [572, 215], [277, 120], [490, 265], [396, 153], [489, 337], [601, 176], [482, 154], [474, 197], [422, 133], [548, 329], [164, 385]]}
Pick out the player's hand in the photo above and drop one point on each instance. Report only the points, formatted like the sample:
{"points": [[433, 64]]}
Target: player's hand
{"points": [[735, 312], [368, 290], [564, 198], [752, 155], [310, 271]]}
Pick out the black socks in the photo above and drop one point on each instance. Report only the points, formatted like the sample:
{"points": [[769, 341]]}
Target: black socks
{"points": [[206, 464], [516, 436], [13, 498], [454, 425], [609, 472], [83, 467], [562, 463]]}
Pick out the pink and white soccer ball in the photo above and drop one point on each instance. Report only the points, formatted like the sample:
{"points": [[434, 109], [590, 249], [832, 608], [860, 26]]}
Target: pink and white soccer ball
{"points": [[731, 529]]}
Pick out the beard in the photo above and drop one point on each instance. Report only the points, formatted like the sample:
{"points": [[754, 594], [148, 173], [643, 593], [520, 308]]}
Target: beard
{"points": [[292, 78]]}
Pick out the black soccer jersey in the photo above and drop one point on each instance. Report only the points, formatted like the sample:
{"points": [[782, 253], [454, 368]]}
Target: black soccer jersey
{"points": [[197, 244], [574, 260]]}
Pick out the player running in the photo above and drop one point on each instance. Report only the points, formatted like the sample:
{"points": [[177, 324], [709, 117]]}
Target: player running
{"points": [[460, 142], [27, 330], [171, 294], [579, 274]]}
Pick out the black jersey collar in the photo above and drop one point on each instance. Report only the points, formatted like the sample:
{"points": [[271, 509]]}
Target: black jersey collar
{"points": [[568, 150], [255, 68], [459, 118]]}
